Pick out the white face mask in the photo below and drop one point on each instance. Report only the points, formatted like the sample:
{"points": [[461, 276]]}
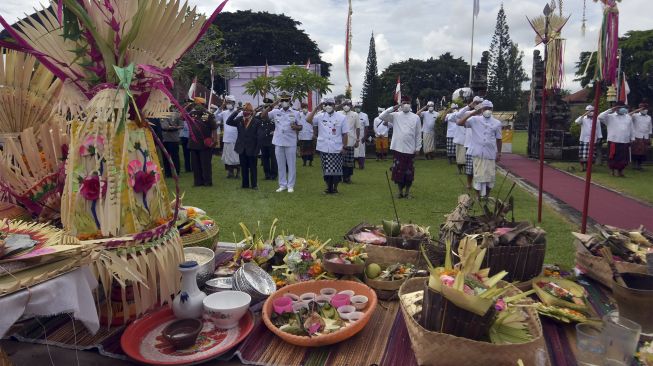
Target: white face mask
{"points": [[590, 114], [357, 110], [305, 110], [644, 112], [230, 106], [622, 111], [487, 113], [328, 109], [285, 104], [346, 108], [405, 108], [431, 109]]}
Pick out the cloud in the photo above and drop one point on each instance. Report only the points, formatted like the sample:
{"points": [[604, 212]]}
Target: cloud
{"points": [[405, 28]]}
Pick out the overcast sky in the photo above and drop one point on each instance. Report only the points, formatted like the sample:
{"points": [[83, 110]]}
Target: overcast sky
{"points": [[418, 29]]}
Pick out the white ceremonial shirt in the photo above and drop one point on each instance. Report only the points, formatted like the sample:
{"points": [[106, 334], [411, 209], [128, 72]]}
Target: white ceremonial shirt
{"points": [[230, 132], [460, 136], [330, 128], [620, 127], [451, 124], [585, 123], [365, 122], [485, 133], [642, 127], [407, 131], [283, 120], [428, 122], [306, 133], [353, 123], [380, 129]]}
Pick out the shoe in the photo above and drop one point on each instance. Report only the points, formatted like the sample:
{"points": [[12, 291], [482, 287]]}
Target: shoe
{"points": [[291, 190], [280, 189], [255, 188]]}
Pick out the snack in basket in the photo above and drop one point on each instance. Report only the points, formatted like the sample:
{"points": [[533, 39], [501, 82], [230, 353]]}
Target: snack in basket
{"points": [[645, 354], [312, 320], [370, 236], [626, 245], [395, 272], [561, 314], [560, 292], [192, 220]]}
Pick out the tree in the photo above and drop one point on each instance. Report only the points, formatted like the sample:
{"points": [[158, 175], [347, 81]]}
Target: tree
{"points": [[372, 85], [429, 79], [505, 70], [260, 86], [298, 81], [252, 38], [637, 64]]}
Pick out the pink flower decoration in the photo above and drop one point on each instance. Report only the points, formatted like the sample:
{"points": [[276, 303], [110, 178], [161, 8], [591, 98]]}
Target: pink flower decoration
{"points": [[141, 179], [500, 305], [247, 255], [92, 145], [91, 188]]}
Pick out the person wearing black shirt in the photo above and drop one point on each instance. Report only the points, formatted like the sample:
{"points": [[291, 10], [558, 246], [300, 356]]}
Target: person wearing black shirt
{"points": [[203, 138], [268, 158], [247, 144]]}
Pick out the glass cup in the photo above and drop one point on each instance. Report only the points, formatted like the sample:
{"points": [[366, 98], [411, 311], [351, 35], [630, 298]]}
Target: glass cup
{"points": [[590, 344], [621, 337]]}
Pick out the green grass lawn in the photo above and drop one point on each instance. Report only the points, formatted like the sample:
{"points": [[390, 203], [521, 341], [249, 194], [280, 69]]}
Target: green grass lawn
{"points": [[636, 183], [367, 199], [520, 142]]}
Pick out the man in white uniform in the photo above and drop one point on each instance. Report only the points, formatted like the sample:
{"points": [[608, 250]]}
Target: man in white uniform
{"points": [[585, 122], [485, 146], [353, 141], [359, 153], [230, 157], [620, 134], [642, 130], [305, 136], [469, 160], [380, 137], [287, 124], [428, 130], [331, 131], [406, 143], [451, 132]]}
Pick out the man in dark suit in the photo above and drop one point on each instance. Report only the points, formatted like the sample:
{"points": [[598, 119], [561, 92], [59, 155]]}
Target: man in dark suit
{"points": [[268, 158], [247, 144]]}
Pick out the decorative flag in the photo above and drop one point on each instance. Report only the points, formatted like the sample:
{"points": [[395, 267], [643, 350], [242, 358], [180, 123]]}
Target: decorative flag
{"points": [[348, 46], [193, 87], [310, 92], [477, 7], [398, 91], [624, 90], [208, 101], [607, 61]]}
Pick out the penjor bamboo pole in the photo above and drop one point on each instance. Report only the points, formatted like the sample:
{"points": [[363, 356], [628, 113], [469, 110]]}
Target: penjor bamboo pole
{"points": [[542, 122], [590, 160]]}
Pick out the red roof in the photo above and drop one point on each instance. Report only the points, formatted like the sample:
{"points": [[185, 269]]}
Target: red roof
{"points": [[581, 96]]}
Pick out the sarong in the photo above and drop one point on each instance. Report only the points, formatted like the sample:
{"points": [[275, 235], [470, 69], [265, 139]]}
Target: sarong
{"points": [[403, 168], [640, 149], [306, 147], [429, 142], [331, 164], [348, 157], [381, 144], [584, 151], [229, 155], [461, 150], [469, 165], [451, 147], [484, 174], [618, 157]]}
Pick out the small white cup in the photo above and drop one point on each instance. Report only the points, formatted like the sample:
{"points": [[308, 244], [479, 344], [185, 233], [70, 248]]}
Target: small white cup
{"points": [[292, 297], [322, 300], [347, 292], [307, 297], [345, 311], [328, 292], [359, 301], [296, 307], [356, 315]]}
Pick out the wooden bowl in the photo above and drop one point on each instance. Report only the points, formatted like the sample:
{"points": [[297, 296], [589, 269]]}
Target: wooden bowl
{"points": [[183, 333], [340, 268], [315, 286]]}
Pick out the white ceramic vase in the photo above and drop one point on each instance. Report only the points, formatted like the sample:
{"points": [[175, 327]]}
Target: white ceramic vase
{"points": [[188, 303]]}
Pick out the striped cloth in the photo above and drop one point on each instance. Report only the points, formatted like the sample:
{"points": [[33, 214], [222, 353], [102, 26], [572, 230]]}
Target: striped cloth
{"points": [[331, 163], [429, 142], [469, 165], [451, 147], [584, 151], [348, 157]]}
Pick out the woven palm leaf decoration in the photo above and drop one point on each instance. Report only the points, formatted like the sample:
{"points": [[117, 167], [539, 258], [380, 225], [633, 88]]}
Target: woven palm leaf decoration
{"points": [[555, 46], [119, 56]]}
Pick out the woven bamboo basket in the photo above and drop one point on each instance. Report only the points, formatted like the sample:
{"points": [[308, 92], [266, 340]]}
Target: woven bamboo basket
{"points": [[207, 238], [13, 212], [434, 348], [596, 268]]}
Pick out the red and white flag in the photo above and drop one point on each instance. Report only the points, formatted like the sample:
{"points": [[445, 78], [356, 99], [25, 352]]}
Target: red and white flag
{"points": [[309, 96], [624, 89], [192, 89], [398, 91]]}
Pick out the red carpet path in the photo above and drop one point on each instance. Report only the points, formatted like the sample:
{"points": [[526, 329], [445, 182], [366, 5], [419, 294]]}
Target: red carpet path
{"points": [[605, 206]]}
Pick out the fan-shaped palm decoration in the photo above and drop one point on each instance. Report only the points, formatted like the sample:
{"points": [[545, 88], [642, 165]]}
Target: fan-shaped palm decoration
{"points": [[28, 92], [551, 35]]}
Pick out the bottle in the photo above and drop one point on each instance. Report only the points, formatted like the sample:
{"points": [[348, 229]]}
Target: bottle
{"points": [[188, 303]]}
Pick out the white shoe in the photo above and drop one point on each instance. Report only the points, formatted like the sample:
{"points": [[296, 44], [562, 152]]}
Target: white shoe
{"points": [[291, 190], [281, 189]]}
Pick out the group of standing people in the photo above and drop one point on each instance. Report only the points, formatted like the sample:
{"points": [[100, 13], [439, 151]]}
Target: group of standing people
{"points": [[628, 135]]}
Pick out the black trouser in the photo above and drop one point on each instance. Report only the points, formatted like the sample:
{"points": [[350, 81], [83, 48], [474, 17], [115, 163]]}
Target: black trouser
{"points": [[269, 161], [250, 174], [201, 163], [184, 148], [173, 150]]}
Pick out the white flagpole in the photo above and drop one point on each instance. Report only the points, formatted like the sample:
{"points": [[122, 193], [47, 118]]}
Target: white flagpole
{"points": [[471, 57]]}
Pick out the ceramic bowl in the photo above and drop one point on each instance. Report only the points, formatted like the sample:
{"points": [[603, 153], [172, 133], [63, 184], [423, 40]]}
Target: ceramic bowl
{"points": [[345, 311], [359, 301], [183, 333], [355, 316], [341, 268], [226, 308], [205, 258]]}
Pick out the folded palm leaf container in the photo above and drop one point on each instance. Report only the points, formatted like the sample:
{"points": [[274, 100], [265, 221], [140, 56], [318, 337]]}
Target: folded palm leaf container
{"points": [[437, 348], [597, 269], [386, 256], [350, 235], [208, 238]]}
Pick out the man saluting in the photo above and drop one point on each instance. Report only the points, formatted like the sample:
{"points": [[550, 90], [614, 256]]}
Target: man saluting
{"points": [[406, 142]]}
